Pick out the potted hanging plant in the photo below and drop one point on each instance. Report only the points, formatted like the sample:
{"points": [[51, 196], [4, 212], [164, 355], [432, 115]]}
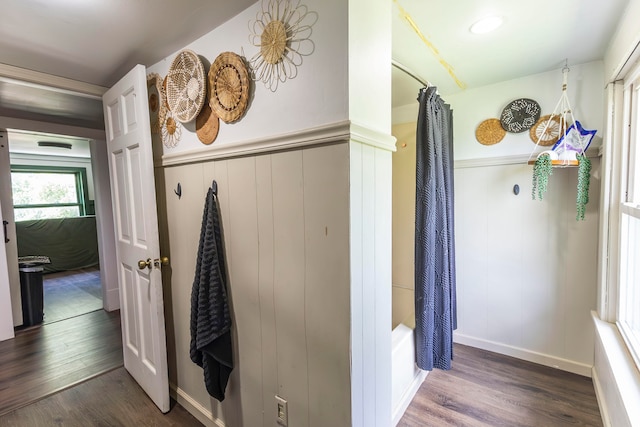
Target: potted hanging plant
{"points": [[582, 193], [542, 169]]}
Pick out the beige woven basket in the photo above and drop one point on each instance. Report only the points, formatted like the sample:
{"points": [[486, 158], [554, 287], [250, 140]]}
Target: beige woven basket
{"points": [[186, 86], [157, 103], [490, 132], [228, 87], [553, 125]]}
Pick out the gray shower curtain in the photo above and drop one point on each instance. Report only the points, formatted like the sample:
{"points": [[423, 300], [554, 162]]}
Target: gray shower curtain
{"points": [[435, 278]]}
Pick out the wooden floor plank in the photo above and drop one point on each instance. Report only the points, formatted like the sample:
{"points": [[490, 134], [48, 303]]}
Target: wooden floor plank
{"points": [[488, 389], [113, 399], [44, 359]]}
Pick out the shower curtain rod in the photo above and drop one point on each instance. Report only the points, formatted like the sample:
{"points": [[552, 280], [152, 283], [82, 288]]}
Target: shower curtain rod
{"points": [[410, 73]]}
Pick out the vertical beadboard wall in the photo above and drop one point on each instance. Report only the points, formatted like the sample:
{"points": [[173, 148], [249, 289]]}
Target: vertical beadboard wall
{"points": [[370, 176], [286, 231]]}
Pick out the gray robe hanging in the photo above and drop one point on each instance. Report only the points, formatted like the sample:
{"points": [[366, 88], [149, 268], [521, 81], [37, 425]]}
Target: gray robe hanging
{"points": [[435, 282], [210, 346]]}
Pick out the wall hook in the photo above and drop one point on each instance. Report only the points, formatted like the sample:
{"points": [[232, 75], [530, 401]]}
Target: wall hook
{"points": [[516, 189], [178, 191]]}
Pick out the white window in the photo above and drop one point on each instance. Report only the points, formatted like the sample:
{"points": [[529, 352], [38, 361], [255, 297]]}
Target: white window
{"points": [[629, 265], [43, 192]]}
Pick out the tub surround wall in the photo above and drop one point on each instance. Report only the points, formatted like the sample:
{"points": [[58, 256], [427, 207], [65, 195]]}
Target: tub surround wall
{"points": [[403, 206]]}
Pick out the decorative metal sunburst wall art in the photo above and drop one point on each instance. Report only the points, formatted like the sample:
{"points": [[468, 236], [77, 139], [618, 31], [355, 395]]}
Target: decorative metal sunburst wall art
{"points": [[282, 31]]}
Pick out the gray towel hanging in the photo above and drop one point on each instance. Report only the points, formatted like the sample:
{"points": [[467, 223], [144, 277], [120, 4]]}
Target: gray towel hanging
{"points": [[211, 346]]}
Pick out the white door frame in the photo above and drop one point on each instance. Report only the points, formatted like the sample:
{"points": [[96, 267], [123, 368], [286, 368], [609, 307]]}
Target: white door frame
{"points": [[104, 218], [6, 316]]}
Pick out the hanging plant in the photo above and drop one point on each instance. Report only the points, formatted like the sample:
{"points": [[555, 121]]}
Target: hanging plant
{"points": [[542, 169], [584, 178]]}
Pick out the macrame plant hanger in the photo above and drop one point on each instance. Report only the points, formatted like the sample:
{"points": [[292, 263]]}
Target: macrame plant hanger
{"points": [[561, 112]]}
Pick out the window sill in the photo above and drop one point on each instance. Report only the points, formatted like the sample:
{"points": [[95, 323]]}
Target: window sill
{"points": [[616, 378]]}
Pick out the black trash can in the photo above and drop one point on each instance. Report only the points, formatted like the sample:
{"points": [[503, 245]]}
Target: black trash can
{"points": [[32, 290]]}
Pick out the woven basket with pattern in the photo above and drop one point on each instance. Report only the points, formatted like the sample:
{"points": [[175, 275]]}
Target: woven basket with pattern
{"points": [[186, 86], [228, 87]]}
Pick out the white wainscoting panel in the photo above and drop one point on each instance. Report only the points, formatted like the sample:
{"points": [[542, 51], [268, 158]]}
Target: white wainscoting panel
{"points": [[285, 221], [526, 269]]}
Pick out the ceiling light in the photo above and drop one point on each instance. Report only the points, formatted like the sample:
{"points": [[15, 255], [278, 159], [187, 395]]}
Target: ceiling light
{"points": [[486, 25], [54, 144]]}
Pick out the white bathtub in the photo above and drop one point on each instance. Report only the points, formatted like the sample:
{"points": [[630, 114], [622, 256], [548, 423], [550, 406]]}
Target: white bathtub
{"points": [[406, 378]]}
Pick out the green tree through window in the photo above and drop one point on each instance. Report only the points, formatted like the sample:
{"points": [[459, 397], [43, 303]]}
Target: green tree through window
{"points": [[46, 192]]}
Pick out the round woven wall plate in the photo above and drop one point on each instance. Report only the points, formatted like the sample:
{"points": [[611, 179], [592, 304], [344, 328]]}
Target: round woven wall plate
{"points": [[228, 87], [520, 115], [186, 86], [550, 125], [207, 125], [157, 103], [490, 132]]}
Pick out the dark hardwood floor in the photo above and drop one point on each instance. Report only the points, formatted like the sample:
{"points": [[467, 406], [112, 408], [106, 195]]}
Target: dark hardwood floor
{"points": [[71, 293], [42, 360], [112, 399], [489, 389]]}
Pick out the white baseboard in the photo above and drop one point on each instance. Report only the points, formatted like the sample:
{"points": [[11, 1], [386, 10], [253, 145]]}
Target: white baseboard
{"points": [[408, 397], [524, 354], [602, 402], [194, 408], [112, 300]]}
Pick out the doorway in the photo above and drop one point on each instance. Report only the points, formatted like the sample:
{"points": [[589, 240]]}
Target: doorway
{"points": [[54, 215], [78, 270]]}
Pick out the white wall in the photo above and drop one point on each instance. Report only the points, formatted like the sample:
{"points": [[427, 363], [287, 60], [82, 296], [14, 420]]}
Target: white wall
{"points": [[527, 271], [370, 177], [317, 96], [403, 224], [312, 324], [471, 107], [105, 225], [622, 50]]}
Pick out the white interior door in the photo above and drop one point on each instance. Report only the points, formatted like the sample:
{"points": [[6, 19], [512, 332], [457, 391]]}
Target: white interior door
{"points": [[9, 233], [136, 227], [6, 320]]}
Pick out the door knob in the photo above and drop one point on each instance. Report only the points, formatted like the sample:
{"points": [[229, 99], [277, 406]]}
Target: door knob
{"points": [[161, 261], [144, 264]]}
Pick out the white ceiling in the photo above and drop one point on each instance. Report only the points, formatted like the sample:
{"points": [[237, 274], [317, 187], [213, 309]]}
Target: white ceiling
{"points": [[97, 41], [24, 142], [536, 36]]}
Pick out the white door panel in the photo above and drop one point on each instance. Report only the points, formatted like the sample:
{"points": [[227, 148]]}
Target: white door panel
{"points": [[6, 321], [10, 247], [136, 227]]}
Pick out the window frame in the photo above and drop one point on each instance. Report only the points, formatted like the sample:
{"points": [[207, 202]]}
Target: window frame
{"points": [[629, 210], [80, 175]]}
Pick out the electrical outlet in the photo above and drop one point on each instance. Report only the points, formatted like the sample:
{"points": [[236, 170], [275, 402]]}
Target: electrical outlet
{"points": [[282, 416]]}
